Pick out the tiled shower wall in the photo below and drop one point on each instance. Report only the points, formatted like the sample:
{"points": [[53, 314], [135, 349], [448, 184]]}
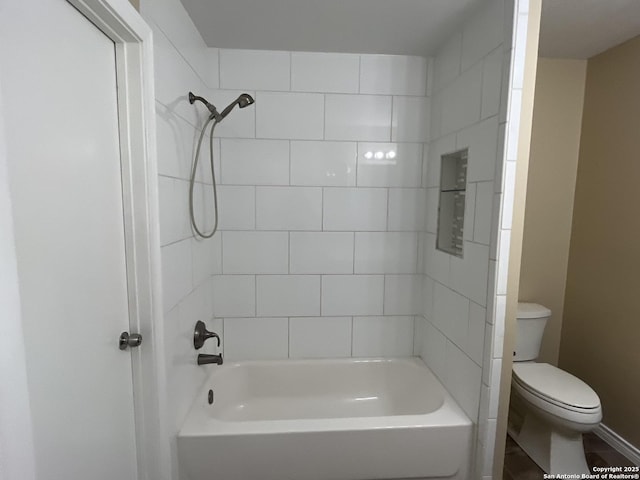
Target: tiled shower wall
{"points": [[182, 63], [324, 182], [321, 202], [474, 106]]}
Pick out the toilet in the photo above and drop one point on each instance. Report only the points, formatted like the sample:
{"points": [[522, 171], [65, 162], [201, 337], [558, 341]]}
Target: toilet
{"points": [[551, 408]]}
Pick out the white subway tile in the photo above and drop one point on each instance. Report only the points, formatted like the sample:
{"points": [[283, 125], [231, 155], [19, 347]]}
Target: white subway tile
{"points": [[256, 338], [505, 88], [469, 274], [463, 380], [407, 209], [482, 142], [461, 101], [288, 295], [435, 120], [513, 126], [174, 209], [288, 208], [503, 262], [482, 33], [382, 336], [324, 72], [175, 138], [475, 342], [519, 51], [255, 252], [174, 21], [434, 350], [447, 63], [433, 200], [491, 83], [239, 124], [358, 117], [234, 295], [393, 75], [206, 256], [177, 78], [323, 163], [203, 208], [321, 252], [236, 207], [499, 326], [487, 355], [254, 69], [425, 164], [389, 164], [428, 285], [508, 196], [451, 314], [418, 333], [437, 148], [290, 115], [255, 162], [386, 252], [469, 211], [308, 337], [176, 272], [402, 294], [410, 121], [355, 209], [352, 294], [437, 263], [483, 213], [498, 179]]}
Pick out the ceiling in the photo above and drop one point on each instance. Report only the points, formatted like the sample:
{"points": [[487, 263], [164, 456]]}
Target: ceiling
{"points": [[408, 27], [584, 28], [569, 28]]}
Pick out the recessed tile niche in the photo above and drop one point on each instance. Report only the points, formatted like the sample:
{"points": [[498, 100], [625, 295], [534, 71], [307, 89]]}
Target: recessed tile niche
{"points": [[453, 186]]}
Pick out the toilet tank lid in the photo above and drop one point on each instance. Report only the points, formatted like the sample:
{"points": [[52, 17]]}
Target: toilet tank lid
{"points": [[532, 310]]}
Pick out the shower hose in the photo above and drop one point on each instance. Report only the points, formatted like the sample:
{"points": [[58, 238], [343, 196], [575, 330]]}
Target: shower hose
{"points": [[194, 169]]}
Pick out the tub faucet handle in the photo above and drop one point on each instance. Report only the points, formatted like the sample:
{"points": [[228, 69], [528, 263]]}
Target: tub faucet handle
{"points": [[201, 334]]}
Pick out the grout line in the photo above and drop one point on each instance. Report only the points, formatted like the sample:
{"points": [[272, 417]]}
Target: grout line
{"points": [[353, 262], [351, 353], [321, 277], [288, 337], [289, 253]]}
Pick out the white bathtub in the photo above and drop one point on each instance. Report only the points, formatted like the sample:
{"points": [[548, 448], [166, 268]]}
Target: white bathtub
{"points": [[351, 419]]}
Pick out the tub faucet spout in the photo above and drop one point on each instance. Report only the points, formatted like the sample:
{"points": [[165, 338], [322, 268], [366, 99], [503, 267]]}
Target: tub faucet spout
{"points": [[204, 359]]}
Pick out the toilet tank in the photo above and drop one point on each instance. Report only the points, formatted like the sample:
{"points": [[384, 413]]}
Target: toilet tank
{"points": [[531, 320]]}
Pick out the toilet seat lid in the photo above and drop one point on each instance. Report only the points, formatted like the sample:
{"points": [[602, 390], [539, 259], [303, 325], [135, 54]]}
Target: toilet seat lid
{"points": [[555, 385]]}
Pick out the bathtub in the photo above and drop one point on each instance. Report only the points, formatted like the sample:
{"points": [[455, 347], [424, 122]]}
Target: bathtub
{"points": [[351, 419]]}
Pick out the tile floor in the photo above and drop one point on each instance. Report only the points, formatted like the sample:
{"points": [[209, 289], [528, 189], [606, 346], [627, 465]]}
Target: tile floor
{"points": [[518, 466]]}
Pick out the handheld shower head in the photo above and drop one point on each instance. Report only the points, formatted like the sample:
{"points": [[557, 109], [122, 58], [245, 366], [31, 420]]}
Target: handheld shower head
{"points": [[244, 100]]}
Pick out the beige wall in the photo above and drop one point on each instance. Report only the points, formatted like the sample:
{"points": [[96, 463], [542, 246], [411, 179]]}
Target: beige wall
{"points": [[601, 326], [553, 164]]}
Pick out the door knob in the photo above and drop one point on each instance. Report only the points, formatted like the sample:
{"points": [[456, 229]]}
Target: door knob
{"points": [[127, 340]]}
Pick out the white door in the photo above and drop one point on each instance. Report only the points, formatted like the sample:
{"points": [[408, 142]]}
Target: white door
{"points": [[60, 109]]}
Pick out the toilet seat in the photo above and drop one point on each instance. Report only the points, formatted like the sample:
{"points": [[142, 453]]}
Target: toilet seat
{"points": [[557, 392]]}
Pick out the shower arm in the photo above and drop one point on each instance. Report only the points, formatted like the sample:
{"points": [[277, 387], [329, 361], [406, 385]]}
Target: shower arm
{"points": [[212, 109]]}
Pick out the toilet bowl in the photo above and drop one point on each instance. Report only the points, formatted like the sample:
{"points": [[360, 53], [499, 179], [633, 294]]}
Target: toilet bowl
{"points": [[556, 407]]}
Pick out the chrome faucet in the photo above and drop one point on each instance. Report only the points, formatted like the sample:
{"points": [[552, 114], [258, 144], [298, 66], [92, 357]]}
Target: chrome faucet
{"points": [[204, 359]]}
